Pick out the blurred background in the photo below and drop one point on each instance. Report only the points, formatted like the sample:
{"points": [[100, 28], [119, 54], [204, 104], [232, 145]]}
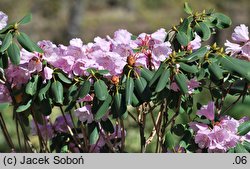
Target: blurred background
{"points": [[62, 20]]}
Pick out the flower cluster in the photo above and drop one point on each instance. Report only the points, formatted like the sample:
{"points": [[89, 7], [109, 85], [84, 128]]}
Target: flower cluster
{"points": [[220, 135], [241, 45]]}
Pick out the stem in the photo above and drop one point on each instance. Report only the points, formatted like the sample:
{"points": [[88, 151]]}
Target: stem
{"points": [[6, 133]]}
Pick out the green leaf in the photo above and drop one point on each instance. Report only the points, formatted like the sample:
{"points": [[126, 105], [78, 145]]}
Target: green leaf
{"points": [[140, 84], [179, 129], [84, 89], [103, 72], [187, 8], [196, 55], [63, 78], [240, 148], [4, 106], [181, 80], [188, 68], [182, 38], [103, 108], [163, 80], [246, 144], [4, 62], [31, 87], [101, 90], [223, 21], [22, 108], [135, 101], [27, 43], [234, 65], [93, 133], [169, 140], [57, 92], [203, 31], [146, 74], [6, 42], [215, 70], [14, 54], [129, 90], [157, 75], [43, 90], [244, 128], [26, 19], [107, 126]]}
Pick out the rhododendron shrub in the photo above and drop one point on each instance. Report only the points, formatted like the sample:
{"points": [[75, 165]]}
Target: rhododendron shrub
{"points": [[150, 79]]}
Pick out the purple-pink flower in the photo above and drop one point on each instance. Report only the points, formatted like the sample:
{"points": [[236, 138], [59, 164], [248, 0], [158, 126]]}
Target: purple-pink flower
{"points": [[207, 110], [84, 114], [3, 20], [241, 46]]}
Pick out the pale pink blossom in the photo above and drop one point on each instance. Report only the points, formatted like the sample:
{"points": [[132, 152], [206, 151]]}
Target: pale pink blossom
{"points": [[47, 72], [240, 34], [3, 20]]}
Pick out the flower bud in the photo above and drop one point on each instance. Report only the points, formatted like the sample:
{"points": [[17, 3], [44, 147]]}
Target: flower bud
{"points": [[131, 60], [115, 80]]}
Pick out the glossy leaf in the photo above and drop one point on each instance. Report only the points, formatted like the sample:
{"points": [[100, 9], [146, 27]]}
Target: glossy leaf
{"points": [[4, 106], [156, 75], [26, 19], [233, 65], [203, 31], [43, 91], [31, 87], [6, 42], [196, 55], [84, 89], [223, 21], [45, 107], [4, 61], [188, 68], [240, 148], [163, 80], [22, 108], [181, 80], [103, 108], [101, 90], [93, 133], [27, 43], [63, 78], [146, 74], [244, 128], [246, 144], [215, 70], [182, 38], [57, 91], [14, 54], [129, 90]]}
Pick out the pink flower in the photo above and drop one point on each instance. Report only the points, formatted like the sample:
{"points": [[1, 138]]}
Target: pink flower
{"points": [[47, 72], [61, 124], [87, 98], [241, 47], [194, 44], [160, 35], [203, 139], [84, 114], [192, 84], [240, 34], [161, 51], [3, 20], [45, 130], [207, 111], [4, 94], [122, 36], [232, 48]]}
